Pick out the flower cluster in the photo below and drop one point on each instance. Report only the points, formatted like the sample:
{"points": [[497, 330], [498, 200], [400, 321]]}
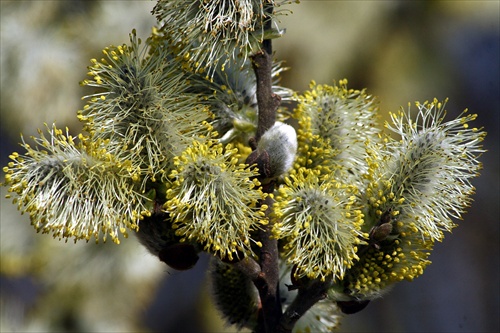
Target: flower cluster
{"points": [[166, 148], [416, 185], [213, 200], [335, 124], [365, 212], [319, 224], [74, 189], [234, 294], [142, 109], [431, 167], [149, 115], [206, 32], [319, 214]]}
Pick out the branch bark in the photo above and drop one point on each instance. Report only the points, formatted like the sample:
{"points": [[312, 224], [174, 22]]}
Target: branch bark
{"points": [[267, 281], [267, 101], [307, 296]]}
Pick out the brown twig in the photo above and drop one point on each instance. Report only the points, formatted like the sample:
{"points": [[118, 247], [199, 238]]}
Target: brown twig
{"points": [[267, 280], [307, 296], [267, 101]]}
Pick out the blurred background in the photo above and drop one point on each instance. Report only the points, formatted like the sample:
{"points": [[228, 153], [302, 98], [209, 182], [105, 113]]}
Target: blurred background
{"points": [[401, 51]]}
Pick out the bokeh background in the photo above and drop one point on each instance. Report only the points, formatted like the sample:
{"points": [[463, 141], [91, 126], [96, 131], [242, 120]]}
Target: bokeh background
{"points": [[401, 51]]}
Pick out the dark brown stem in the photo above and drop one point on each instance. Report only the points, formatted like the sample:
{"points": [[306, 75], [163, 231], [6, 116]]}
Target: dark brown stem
{"points": [[267, 101], [308, 296], [262, 63], [249, 267], [265, 276], [267, 280]]}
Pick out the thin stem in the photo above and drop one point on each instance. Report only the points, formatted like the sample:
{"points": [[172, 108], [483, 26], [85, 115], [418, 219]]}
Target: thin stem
{"points": [[262, 64], [267, 101], [267, 281], [305, 299]]}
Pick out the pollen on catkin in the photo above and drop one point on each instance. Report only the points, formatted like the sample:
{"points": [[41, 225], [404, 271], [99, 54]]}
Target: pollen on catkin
{"points": [[378, 269], [208, 32], [394, 249], [213, 200], [142, 109], [320, 225], [416, 185], [335, 124], [431, 167], [230, 95], [74, 190]]}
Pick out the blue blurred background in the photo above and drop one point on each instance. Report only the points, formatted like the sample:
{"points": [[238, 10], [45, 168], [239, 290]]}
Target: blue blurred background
{"points": [[401, 51]]}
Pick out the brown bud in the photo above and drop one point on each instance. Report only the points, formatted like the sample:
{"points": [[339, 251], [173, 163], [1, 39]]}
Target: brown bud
{"points": [[381, 232], [179, 256], [350, 307]]}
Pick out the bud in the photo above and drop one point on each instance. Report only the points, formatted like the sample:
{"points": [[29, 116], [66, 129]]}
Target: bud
{"points": [[276, 151], [179, 256], [351, 307], [234, 294], [156, 234]]}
